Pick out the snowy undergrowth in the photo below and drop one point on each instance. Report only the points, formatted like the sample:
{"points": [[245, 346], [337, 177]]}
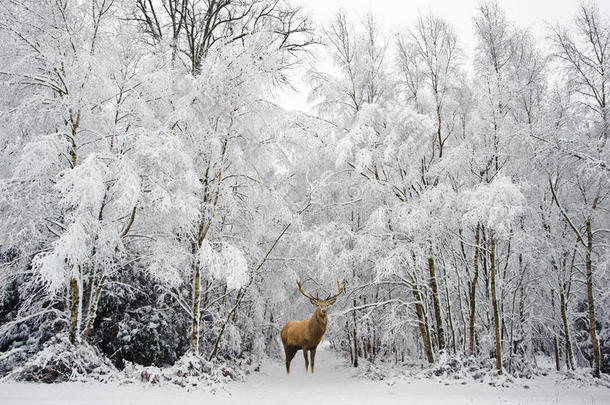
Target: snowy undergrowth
{"points": [[61, 361], [582, 378], [461, 368], [191, 370], [452, 369]]}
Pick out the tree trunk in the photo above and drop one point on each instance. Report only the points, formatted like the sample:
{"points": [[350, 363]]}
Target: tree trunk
{"points": [[448, 309], [355, 347], [494, 301], [88, 289], [196, 309], [92, 311], [349, 343], [204, 227], [355, 338], [75, 310], [240, 296], [374, 353], [439, 126], [566, 329], [464, 326], [437, 308], [592, 323], [473, 289], [555, 344], [423, 324]]}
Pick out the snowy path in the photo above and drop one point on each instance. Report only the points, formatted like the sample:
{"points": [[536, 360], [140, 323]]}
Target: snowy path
{"points": [[333, 383]]}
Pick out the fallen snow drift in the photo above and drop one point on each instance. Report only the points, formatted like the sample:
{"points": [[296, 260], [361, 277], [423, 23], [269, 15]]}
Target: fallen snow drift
{"points": [[333, 382]]}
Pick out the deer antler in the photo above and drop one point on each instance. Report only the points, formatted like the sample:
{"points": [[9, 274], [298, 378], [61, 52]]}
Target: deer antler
{"points": [[311, 298], [339, 291]]}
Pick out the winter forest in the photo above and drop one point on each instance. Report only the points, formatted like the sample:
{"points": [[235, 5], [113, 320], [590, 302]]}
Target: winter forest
{"points": [[158, 207]]}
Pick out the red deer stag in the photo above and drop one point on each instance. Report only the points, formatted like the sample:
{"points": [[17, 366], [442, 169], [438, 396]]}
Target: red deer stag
{"points": [[306, 334]]}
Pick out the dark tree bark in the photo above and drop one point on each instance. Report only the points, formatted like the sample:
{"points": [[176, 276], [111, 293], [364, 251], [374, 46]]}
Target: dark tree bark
{"points": [[437, 307], [494, 302], [473, 291]]}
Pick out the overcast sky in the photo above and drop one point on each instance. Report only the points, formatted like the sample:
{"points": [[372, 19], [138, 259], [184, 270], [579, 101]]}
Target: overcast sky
{"points": [[394, 14]]}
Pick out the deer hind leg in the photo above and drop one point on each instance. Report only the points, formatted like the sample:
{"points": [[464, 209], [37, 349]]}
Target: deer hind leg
{"points": [[290, 352], [312, 354], [306, 360]]}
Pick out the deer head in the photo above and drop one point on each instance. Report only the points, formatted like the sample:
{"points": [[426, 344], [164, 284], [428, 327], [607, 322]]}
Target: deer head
{"points": [[322, 304]]}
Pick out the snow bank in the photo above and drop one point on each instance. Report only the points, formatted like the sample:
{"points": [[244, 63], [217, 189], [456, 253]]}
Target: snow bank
{"points": [[334, 382], [460, 369], [190, 370], [60, 361]]}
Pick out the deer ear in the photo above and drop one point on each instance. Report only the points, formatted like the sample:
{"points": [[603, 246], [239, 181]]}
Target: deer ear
{"points": [[331, 301], [314, 302]]}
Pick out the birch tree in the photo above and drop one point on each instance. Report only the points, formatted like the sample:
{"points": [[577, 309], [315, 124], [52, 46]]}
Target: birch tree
{"points": [[584, 54]]}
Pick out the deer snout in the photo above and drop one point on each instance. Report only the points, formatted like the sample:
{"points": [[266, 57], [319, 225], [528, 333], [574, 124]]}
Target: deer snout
{"points": [[323, 311]]}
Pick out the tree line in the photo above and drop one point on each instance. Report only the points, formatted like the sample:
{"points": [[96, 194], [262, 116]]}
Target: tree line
{"points": [[152, 197]]}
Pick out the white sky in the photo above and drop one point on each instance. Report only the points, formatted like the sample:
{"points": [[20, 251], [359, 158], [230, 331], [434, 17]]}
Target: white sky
{"points": [[393, 14]]}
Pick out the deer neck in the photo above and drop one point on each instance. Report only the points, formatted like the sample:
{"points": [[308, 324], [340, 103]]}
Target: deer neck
{"points": [[318, 322]]}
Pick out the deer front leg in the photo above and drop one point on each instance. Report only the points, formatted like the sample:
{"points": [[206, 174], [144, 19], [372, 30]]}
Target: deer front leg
{"points": [[306, 360], [313, 357], [290, 352]]}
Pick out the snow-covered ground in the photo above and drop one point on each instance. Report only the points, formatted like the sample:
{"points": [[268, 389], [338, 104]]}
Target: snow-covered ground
{"points": [[333, 383]]}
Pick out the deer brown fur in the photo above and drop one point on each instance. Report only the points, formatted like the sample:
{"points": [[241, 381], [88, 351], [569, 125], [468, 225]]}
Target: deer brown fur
{"points": [[306, 334]]}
